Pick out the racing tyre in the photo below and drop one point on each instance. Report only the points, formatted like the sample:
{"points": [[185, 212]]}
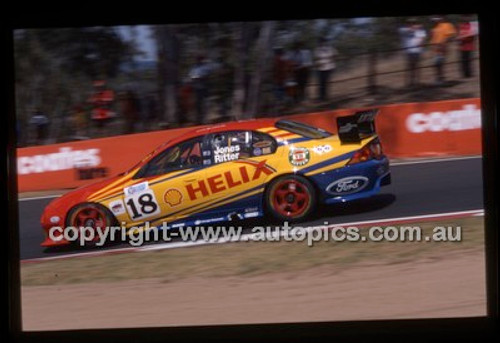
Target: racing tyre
{"points": [[290, 198], [89, 215]]}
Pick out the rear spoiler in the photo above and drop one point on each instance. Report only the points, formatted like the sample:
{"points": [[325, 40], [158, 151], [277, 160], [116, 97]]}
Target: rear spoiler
{"points": [[352, 129]]}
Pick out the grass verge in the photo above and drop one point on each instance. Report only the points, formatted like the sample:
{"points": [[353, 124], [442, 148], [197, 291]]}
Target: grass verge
{"points": [[250, 258]]}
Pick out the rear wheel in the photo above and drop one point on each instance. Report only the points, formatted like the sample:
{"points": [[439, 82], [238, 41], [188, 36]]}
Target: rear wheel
{"points": [[290, 197], [92, 217]]}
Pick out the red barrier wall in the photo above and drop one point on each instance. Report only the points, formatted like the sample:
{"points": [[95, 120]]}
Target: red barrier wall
{"points": [[406, 130]]}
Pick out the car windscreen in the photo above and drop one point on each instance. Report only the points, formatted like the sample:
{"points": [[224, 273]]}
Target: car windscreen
{"points": [[302, 129]]}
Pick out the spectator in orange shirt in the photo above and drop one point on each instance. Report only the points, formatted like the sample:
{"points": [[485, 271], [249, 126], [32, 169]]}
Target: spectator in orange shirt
{"points": [[467, 32], [442, 34]]}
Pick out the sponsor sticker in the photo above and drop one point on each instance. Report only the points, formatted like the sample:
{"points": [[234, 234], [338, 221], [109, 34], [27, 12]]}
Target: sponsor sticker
{"points": [[117, 207], [248, 171], [347, 185], [173, 197], [210, 220], [251, 209], [135, 189], [298, 156], [322, 149], [257, 151], [262, 144], [55, 219]]}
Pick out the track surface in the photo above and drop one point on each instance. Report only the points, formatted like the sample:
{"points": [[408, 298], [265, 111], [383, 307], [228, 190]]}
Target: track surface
{"points": [[416, 189]]}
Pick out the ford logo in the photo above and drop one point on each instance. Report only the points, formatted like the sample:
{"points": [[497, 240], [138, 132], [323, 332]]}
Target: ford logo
{"points": [[347, 185]]}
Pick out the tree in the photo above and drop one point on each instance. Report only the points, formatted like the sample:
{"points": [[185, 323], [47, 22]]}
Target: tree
{"points": [[263, 48], [54, 69], [168, 68]]}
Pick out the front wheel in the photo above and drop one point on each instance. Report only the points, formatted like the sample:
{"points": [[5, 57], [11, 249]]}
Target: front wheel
{"points": [[90, 216], [290, 197]]}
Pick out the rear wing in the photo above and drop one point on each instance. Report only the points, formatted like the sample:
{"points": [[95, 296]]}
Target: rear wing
{"points": [[352, 129]]}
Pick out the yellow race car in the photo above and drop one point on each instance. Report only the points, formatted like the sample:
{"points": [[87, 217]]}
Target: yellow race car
{"points": [[280, 168]]}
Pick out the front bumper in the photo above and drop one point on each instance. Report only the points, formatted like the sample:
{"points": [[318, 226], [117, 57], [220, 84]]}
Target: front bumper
{"points": [[49, 243]]}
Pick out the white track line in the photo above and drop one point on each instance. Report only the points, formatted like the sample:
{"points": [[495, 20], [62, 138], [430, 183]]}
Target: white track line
{"points": [[392, 164], [249, 236], [434, 160], [40, 197]]}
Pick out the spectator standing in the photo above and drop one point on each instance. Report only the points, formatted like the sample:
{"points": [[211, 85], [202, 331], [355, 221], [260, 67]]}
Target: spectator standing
{"points": [[199, 80], [152, 111], [81, 120], [302, 63], [324, 56], [413, 37], [130, 110], [101, 100], [467, 32], [223, 86], [442, 34], [41, 124], [185, 96]]}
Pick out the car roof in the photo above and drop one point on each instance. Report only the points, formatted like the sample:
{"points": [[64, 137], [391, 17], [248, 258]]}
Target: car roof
{"points": [[253, 124]]}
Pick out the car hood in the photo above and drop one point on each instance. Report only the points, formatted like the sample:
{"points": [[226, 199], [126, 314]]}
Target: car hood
{"points": [[60, 206]]}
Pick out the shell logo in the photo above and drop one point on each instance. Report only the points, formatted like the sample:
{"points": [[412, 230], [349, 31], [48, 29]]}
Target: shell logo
{"points": [[173, 197]]}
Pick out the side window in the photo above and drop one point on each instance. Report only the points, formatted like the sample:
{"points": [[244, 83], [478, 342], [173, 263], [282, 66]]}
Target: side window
{"points": [[182, 156], [263, 144], [231, 145]]}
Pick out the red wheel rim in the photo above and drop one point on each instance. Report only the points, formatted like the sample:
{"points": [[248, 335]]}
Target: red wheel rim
{"points": [[89, 217], [290, 198]]}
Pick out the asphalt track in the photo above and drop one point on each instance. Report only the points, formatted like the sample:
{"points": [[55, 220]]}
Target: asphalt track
{"points": [[416, 189]]}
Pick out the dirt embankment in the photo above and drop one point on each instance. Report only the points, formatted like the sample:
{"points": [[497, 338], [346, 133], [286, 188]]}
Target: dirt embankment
{"points": [[450, 285]]}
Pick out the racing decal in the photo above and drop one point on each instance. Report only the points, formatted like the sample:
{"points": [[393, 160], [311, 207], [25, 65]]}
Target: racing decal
{"points": [[225, 154], [298, 156], [257, 151], [262, 144], [347, 185], [208, 221], [142, 205], [322, 149], [229, 179], [137, 188], [117, 207], [251, 209], [173, 197], [266, 151]]}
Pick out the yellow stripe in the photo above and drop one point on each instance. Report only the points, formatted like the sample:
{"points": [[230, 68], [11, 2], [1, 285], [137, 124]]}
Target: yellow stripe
{"points": [[107, 188], [118, 190], [328, 168], [289, 137], [267, 129], [279, 132]]}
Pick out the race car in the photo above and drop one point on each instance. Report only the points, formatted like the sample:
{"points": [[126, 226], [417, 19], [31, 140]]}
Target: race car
{"points": [[264, 167]]}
